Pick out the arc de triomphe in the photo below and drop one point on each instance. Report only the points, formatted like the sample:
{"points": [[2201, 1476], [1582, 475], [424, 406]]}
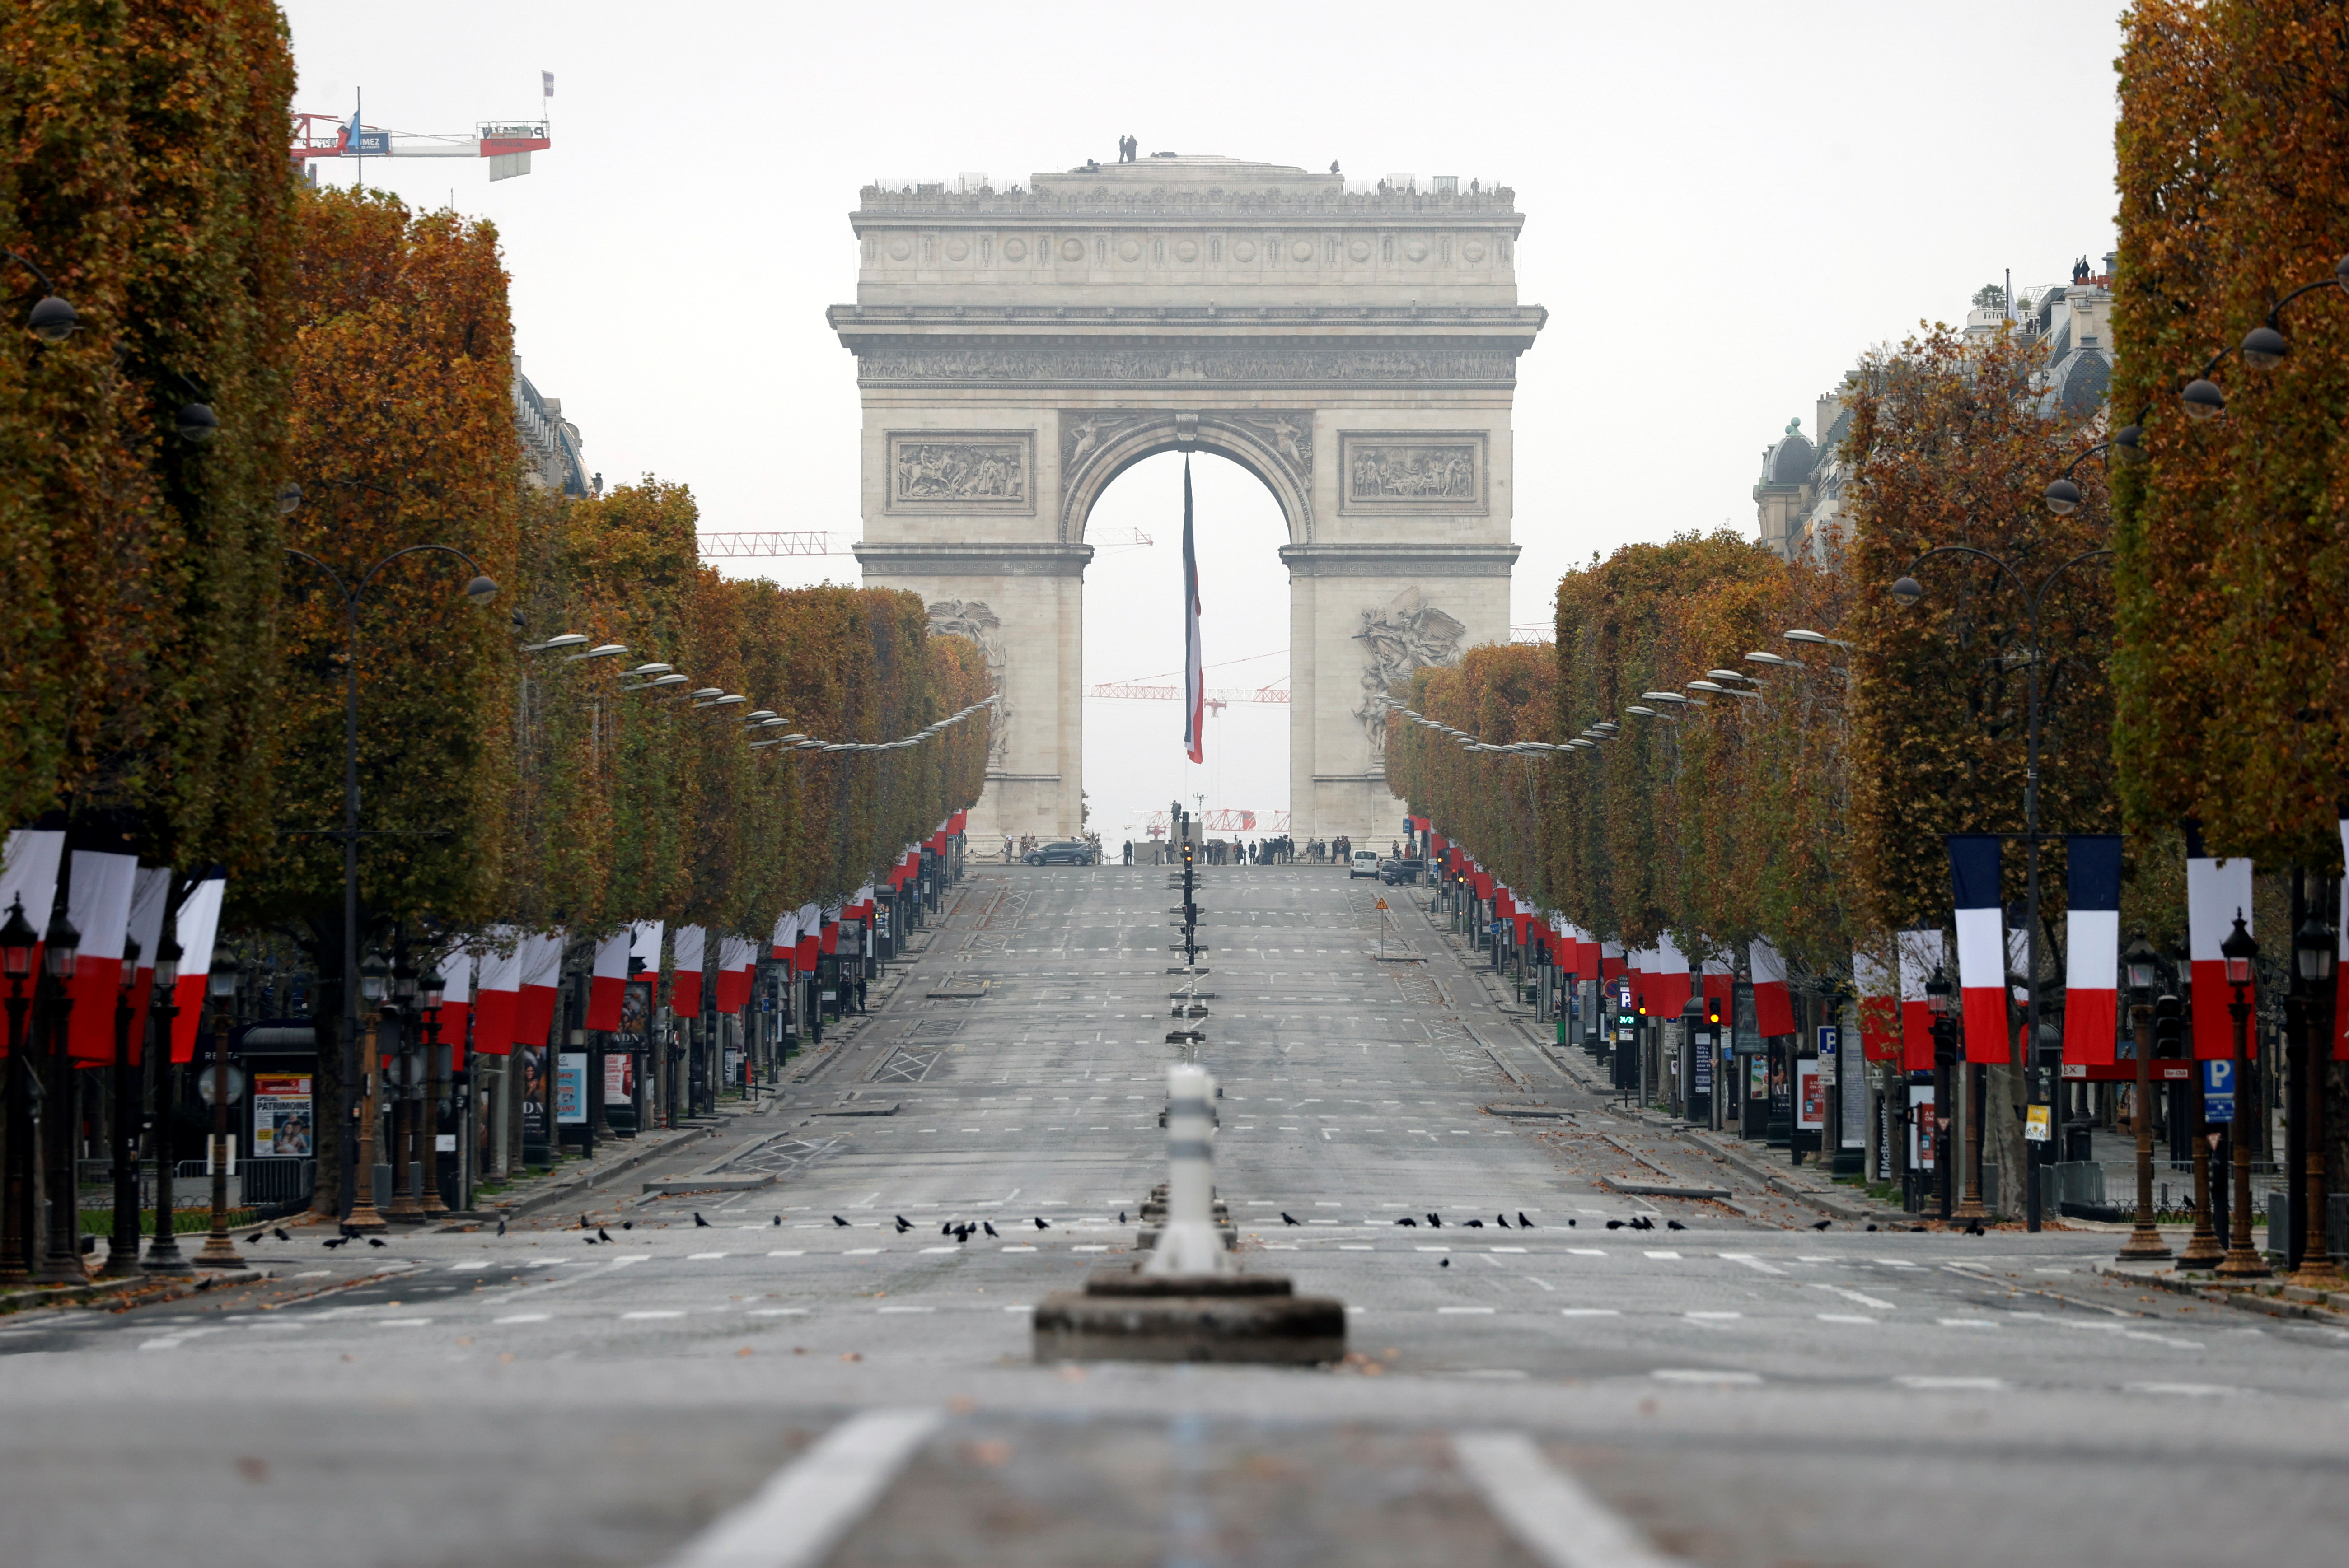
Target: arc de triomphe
{"points": [[1018, 349]]}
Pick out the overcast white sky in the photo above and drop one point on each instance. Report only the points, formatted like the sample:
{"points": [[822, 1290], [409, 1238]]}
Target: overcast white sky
{"points": [[1724, 204]]}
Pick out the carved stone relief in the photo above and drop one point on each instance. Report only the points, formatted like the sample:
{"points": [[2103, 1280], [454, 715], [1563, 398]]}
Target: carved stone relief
{"points": [[1155, 367], [1278, 442], [1410, 472], [1406, 634], [971, 618], [962, 471]]}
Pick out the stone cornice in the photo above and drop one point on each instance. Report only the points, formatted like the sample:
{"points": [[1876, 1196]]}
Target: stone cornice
{"points": [[896, 209], [1280, 320], [1416, 561], [973, 560]]}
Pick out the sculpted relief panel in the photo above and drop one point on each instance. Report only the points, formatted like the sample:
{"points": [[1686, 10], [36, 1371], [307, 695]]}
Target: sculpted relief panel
{"points": [[1411, 473], [971, 618], [1406, 634], [1467, 367], [962, 471]]}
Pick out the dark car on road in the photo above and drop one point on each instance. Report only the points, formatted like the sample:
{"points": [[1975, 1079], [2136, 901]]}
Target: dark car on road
{"points": [[1394, 873], [1066, 853]]}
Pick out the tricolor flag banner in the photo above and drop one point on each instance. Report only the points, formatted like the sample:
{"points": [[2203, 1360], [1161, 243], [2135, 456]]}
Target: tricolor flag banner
{"points": [[1981, 945], [198, 926], [150, 901], [542, 982], [1194, 673], [456, 1002], [1720, 989], [2216, 892], [1672, 982], [28, 877], [1641, 965], [1923, 952], [1876, 984], [497, 991], [607, 983], [736, 960], [691, 954], [2092, 949], [1611, 960], [784, 943], [645, 947], [98, 901], [1773, 1005], [810, 946]]}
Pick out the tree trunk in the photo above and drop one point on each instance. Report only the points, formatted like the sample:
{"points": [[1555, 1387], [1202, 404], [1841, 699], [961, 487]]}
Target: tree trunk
{"points": [[2003, 1148]]}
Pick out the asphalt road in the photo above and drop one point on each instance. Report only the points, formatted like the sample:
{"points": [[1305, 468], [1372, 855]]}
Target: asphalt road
{"points": [[1741, 1390]]}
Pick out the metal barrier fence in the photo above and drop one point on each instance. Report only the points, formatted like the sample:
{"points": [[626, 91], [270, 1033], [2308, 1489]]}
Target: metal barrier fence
{"points": [[284, 1179]]}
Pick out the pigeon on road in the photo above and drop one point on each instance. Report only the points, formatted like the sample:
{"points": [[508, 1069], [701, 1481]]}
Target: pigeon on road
{"points": [[1041, 1223], [1614, 1224], [779, 1219], [1529, 1224], [254, 1237], [841, 1222], [1474, 1225], [1407, 1219], [1434, 1223], [1504, 1220], [602, 1234], [628, 1225], [281, 1235], [1445, 1264], [902, 1226], [990, 1229], [1674, 1225], [501, 1227], [1823, 1224], [699, 1221], [589, 1240], [1120, 1216], [375, 1240], [1287, 1218]]}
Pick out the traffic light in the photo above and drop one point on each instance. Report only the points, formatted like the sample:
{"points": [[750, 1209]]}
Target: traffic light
{"points": [[1713, 1011], [2169, 1029], [1186, 852]]}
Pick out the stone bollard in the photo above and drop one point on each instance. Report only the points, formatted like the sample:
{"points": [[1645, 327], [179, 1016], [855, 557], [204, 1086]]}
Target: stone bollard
{"points": [[1186, 1303]]}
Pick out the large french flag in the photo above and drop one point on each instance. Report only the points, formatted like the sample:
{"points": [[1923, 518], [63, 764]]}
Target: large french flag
{"points": [[1611, 960], [195, 931], [1194, 673], [542, 982], [497, 991], [784, 946], [691, 955], [607, 982], [645, 947], [455, 1003], [1877, 985], [2092, 949], [150, 901], [811, 938], [1721, 988], [1981, 945], [98, 904], [1639, 964], [1773, 1005], [736, 960], [1671, 985], [2216, 892], [1923, 950]]}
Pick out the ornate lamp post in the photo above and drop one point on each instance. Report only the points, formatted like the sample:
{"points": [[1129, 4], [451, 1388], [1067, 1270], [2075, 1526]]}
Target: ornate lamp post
{"points": [[430, 990], [60, 1262], [405, 1109], [363, 1216], [122, 1251], [2203, 1250], [1945, 1052], [219, 1252], [2242, 1261], [163, 1254], [2142, 967], [17, 940], [2314, 948]]}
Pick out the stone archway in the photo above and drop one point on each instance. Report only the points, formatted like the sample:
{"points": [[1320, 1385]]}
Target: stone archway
{"points": [[1017, 350]]}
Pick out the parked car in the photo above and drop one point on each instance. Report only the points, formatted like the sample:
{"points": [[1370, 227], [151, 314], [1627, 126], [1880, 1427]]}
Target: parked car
{"points": [[1364, 863], [1394, 873], [1063, 852]]}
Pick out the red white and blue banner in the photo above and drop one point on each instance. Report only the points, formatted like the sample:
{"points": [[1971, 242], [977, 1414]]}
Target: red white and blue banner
{"points": [[198, 926], [1194, 673], [691, 950], [1878, 984], [1923, 952], [1773, 1005], [2092, 949], [150, 901], [607, 983], [456, 1002], [784, 945], [1670, 989], [541, 981], [497, 991], [2216, 892], [1982, 945], [98, 901], [2340, 965], [1720, 979], [737, 960]]}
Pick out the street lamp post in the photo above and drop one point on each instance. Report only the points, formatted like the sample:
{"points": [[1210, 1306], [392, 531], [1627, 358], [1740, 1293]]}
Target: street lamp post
{"points": [[2145, 1242], [404, 1109], [60, 1260], [1908, 591], [363, 1216], [2242, 1260], [219, 1252], [122, 1251], [430, 990], [163, 1254], [481, 589], [17, 940], [1945, 1054], [2315, 947]]}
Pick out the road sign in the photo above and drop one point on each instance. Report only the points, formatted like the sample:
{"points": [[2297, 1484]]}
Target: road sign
{"points": [[1382, 903], [2037, 1124], [2218, 1091], [1830, 1047]]}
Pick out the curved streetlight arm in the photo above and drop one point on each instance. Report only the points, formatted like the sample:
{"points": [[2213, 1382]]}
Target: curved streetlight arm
{"points": [[2275, 311], [414, 550], [2084, 457], [1970, 550], [48, 288], [2049, 582]]}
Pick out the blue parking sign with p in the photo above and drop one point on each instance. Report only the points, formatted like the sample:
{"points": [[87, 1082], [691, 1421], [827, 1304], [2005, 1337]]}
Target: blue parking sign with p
{"points": [[2218, 1091]]}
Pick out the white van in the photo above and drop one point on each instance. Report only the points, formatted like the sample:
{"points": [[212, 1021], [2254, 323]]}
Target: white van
{"points": [[1364, 863]]}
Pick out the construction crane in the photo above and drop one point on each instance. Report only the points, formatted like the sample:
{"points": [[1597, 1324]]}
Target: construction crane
{"points": [[1217, 697], [506, 144], [787, 541]]}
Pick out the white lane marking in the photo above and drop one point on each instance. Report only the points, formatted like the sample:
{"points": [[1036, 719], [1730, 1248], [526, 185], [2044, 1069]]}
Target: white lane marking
{"points": [[696, 1257], [1549, 1513], [1845, 1317], [1704, 1375], [861, 1252], [1587, 1251], [796, 1519], [1478, 1311], [1663, 1254], [1021, 1248], [928, 1250], [788, 1255], [401, 1322], [1509, 1249], [1978, 1385], [461, 1268], [525, 1317], [1965, 1323], [1356, 1247], [777, 1312], [638, 1316], [1432, 1249], [1750, 1260], [1102, 1248], [2189, 1390], [909, 1309], [311, 1274], [1711, 1317], [1851, 1295], [1589, 1312], [1022, 1308]]}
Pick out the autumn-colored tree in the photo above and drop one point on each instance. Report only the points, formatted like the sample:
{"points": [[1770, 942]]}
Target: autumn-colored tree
{"points": [[1491, 804], [143, 167]]}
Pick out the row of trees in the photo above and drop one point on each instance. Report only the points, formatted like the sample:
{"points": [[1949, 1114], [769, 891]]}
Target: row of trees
{"points": [[176, 652]]}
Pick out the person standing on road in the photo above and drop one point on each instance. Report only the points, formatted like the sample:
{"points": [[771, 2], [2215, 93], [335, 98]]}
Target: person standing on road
{"points": [[1007, 849], [1129, 851], [860, 993]]}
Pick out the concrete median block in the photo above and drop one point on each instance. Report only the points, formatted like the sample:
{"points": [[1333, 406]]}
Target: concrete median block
{"points": [[1234, 1318]]}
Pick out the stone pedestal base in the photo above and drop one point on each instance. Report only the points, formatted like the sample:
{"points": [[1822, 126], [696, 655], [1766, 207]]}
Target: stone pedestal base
{"points": [[1129, 1316]]}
